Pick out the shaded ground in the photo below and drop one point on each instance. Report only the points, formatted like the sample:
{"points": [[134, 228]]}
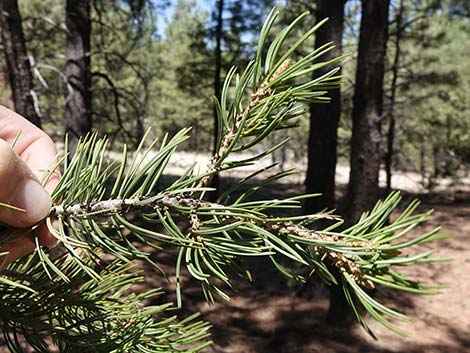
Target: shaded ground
{"points": [[270, 317]]}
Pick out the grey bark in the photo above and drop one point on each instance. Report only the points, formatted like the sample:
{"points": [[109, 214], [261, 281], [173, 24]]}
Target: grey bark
{"points": [[18, 64], [78, 114], [392, 112], [363, 188], [324, 118]]}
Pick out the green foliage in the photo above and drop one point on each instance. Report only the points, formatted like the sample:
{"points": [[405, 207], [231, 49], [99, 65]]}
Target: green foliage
{"points": [[84, 301], [182, 91], [440, 92], [432, 115], [123, 66], [44, 29], [141, 79], [81, 314]]}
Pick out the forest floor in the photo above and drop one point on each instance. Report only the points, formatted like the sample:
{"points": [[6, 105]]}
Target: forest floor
{"points": [[271, 316]]}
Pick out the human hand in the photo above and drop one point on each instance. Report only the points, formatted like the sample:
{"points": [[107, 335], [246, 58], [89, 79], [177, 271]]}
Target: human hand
{"points": [[21, 169]]}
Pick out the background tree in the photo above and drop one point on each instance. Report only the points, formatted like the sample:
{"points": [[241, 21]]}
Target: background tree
{"points": [[322, 139], [324, 118], [125, 68], [409, 22], [367, 115], [18, 63], [393, 94], [182, 90], [436, 81], [417, 75], [77, 112]]}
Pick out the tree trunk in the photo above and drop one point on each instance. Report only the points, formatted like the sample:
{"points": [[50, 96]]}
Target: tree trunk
{"points": [[141, 114], [422, 160], [435, 155], [324, 118], [18, 64], [363, 188], [392, 113], [77, 115]]}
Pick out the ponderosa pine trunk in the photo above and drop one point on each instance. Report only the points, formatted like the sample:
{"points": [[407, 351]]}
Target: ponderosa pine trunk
{"points": [[392, 113], [363, 188], [17, 60], [77, 115], [324, 118]]}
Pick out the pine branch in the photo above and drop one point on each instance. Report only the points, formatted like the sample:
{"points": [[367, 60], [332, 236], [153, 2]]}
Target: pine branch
{"points": [[229, 136], [80, 301], [192, 206], [86, 315]]}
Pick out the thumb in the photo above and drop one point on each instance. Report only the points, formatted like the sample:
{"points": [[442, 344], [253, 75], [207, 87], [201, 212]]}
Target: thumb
{"points": [[20, 188]]}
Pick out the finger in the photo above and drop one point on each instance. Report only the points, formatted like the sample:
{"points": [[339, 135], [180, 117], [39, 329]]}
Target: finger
{"points": [[20, 188], [16, 249], [24, 245], [45, 237], [34, 147]]}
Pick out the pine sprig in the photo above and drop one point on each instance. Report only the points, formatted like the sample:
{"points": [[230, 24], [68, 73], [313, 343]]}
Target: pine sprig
{"points": [[85, 315], [84, 303]]}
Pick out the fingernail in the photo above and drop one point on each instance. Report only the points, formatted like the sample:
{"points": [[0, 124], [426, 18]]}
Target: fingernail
{"points": [[34, 199]]}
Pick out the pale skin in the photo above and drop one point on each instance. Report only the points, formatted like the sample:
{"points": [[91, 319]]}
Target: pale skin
{"points": [[22, 168]]}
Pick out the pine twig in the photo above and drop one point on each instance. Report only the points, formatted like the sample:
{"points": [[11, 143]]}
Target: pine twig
{"points": [[262, 91], [192, 205]]}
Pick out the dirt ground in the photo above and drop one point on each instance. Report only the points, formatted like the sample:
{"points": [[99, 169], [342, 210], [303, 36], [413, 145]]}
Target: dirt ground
{"points": [[271, 317]]}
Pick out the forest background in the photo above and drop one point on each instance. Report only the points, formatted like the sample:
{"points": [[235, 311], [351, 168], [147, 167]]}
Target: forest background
{"points": [[138, 64], [155, 64]]}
